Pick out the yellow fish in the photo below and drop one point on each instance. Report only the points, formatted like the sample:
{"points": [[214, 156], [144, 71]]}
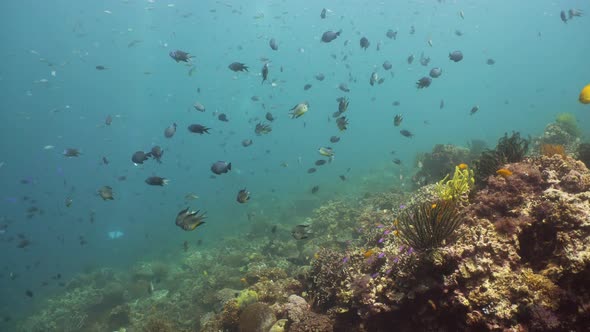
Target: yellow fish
{"points": [[585, 95], [299, 110], [504, 172]]}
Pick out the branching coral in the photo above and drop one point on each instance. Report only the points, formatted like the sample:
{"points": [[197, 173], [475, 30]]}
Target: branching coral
{"points": [[456, 189], [429, 226]]}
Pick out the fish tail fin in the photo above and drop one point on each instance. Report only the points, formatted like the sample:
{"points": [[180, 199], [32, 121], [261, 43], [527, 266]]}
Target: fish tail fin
{"points": [[229, 166]]}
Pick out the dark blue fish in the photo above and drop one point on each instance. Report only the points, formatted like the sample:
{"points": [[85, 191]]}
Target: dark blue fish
{"points": [[220, 167], [179, 55]]}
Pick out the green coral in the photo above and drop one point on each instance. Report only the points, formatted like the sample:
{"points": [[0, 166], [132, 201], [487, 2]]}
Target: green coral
{"points": [[456, 189], [246, 297]]}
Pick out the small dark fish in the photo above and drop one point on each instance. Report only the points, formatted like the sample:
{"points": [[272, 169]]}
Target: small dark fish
{"points": [[223, 117], [179, 55], [315, 189], [198, 129], [563, 16], [406, 133], [105, 161], [306, 87], [442, 104], [220, 167], [342, 177], [243, 196], [185, 246], [29, 293], [391, 34], [69, 201], [170, 131], [456, 56], [397, 120], [323, 13], [139, 157], [264, 72], [269, 116], [311, 170], [99, 67], [364, 43], [329, 36], [490, 61], [320, 77], [262, 129], [474, 110], [301, 232], [410, 59], [71, 152], [273, 44], [343, 105], [343, 87], [387, 65], [255, 98], [334, 139], [237, 66], [23, 243], [424, 82], [397, 161], [156, 181], [273, 229], [190, 220], [156, 152], [412, 30], [435, 72], [247, 143], [396, 103], [458, 33], [342, 123], [320, 162], [424, 61], [108, 120]]}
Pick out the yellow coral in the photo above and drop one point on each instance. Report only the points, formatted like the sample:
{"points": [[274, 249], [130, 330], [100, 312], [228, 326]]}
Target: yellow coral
{"points": [[246, 297], [457, 188]]}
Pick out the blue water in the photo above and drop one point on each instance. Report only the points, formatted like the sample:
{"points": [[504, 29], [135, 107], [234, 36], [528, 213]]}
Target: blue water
{"points": [[541, 65]]}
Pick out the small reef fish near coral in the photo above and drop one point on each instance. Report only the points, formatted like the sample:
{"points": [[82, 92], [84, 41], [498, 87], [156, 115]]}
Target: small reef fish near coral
{"points": [[280, 166]]}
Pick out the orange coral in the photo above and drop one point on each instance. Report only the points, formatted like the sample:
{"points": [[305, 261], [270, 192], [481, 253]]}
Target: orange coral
{"points": [[552, 149]]}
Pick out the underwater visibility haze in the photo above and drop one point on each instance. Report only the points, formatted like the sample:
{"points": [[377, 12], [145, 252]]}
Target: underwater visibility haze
{"points": [[294, 165]]}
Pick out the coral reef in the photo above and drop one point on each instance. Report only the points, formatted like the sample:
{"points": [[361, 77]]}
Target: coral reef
{"points": [[458, 187], [440, 162], [515, 256], [430, 225], [583, 153]]}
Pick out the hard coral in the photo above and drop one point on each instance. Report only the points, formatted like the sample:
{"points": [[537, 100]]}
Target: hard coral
{"points": [[302, 319], [584, 153], [257, 317], [440, 162]]}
